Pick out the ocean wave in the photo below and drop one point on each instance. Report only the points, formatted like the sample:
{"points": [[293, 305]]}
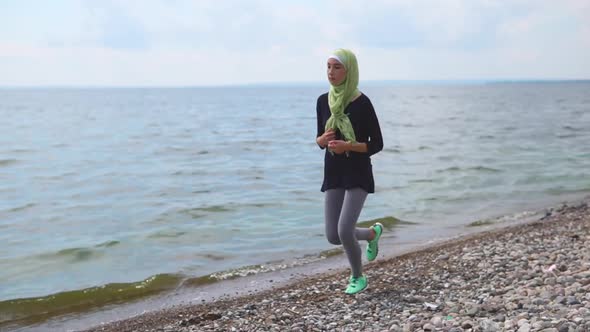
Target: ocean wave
{"points": [[201, 191], [21, 150], [454, 169], [21, 208], [391, 150], [214, 257], [484, 169], [164, 234], [79, 254], [198, 212], [193, 213], [423, 181], [570, 128], [487, 136], [560, 190], [563, 136], [33, 310], [449, 169], [449, 158], [8, 162], [108, 244], [388, 222], [211, 208]]}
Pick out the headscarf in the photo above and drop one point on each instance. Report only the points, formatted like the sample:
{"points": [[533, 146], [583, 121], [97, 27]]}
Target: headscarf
{"points": [[341, 95]]}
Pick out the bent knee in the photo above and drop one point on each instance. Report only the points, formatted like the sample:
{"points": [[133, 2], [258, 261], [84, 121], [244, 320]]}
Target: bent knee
{"points": [[347, 235], [333, 239]]}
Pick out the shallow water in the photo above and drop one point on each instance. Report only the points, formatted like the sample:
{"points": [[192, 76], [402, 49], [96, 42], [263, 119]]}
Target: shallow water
{"points": [[103, 186]]}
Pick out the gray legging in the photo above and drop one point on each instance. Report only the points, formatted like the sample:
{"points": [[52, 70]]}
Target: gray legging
{"points": [[342, 210]]}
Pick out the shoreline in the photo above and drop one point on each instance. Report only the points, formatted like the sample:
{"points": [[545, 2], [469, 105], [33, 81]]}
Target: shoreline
{"points": [[401, 237], [393, 283]]}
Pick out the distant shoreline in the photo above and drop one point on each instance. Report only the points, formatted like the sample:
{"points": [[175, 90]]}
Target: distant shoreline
{"points": [[367, 83]]}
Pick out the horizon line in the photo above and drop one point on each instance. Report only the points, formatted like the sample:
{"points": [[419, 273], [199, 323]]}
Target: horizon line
{"points": [[301, 83]]}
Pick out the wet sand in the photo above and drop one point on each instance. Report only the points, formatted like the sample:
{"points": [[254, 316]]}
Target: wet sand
{"points": [[527, 277]]}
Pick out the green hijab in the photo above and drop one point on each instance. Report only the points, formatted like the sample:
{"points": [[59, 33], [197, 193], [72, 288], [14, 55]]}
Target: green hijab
{"points": [[341, 95]]}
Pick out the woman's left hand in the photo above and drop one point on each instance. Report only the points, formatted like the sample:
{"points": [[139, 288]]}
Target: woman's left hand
{"points": [[338, 146]]}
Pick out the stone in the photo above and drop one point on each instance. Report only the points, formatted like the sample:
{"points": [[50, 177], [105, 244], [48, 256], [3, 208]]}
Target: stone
{"points": [[428, 327], [437, 321], [524, 328], [395, 328], [564, 327], [540, 301], [467, 324], [472, 311], [539, 325], [407, 327], [488, 325]]}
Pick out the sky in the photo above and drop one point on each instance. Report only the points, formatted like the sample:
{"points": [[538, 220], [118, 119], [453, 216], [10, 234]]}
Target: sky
{"points": [[219, 42]]}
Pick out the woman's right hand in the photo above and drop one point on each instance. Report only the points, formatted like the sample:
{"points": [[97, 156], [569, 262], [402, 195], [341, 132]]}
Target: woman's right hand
{"points": [[326, 137]]}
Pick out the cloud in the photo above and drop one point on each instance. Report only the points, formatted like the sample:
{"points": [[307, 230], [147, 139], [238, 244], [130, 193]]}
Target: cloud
{"points": [[232, 42]]}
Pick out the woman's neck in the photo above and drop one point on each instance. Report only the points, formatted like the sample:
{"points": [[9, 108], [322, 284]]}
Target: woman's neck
{"points": [[356, 97]]}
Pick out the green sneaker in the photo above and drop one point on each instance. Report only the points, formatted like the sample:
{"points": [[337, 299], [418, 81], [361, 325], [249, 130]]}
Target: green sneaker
{"points": [[356, 285], [373, 245]]}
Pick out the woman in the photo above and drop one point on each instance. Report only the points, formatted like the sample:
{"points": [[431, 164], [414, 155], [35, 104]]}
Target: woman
{"points": [[349, 129]]}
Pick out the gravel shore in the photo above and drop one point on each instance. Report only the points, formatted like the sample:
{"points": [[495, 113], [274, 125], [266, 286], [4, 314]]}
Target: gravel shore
{"points": [[531, 277]]}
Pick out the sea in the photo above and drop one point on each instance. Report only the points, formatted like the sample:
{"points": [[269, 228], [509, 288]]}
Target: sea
{"points": [[108, 195]]}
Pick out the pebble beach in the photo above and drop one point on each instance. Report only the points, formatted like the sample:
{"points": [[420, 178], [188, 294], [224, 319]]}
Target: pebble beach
{"points": [[527, 277]]}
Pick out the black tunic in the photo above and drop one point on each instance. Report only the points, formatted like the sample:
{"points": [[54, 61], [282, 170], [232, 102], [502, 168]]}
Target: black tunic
{"points": [[353, 170]]}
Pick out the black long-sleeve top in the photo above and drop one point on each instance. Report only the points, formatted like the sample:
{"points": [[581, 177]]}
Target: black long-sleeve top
{"points": [[352, 170]]}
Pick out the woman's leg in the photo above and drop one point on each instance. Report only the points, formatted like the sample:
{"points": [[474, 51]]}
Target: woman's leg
{"points": [[332, 207], [348, 234]]}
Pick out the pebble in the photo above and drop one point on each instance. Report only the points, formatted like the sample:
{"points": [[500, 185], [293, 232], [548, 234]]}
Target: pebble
{"points": [[530, 277]]}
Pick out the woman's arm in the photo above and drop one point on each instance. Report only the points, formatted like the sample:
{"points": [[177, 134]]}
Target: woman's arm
{"points": [[375, 143], [325, 138], [356, 147], [318, 138], [340, 146]]}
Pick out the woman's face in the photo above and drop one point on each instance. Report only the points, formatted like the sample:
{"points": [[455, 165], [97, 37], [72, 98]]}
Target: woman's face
{"points": [[336, 72]]}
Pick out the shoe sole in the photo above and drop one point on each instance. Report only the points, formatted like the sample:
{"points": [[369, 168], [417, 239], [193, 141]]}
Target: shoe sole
{"points": [[377, 248], [362, 290]]}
